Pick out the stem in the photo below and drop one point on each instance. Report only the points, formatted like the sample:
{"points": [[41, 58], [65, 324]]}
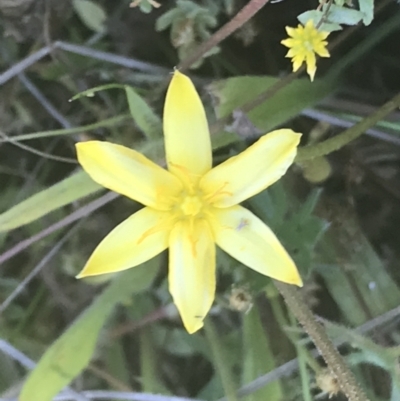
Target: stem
{"points": [[333, 144], [219, 125], [247, 12], [222, 366], [304, 357], [333, 359]]}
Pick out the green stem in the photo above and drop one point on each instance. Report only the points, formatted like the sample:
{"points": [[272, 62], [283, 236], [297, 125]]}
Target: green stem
{"points": [[333, 144], [335, 362], [220, 360], [109, 122], [302, 361]]}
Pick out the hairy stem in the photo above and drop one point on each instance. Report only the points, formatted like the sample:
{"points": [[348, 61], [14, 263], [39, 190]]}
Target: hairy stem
{"points": [[335, 362]]}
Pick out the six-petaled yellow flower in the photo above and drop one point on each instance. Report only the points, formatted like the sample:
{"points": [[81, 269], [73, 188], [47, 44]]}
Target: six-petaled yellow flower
{"points": [[304, 43], [191, 206]]}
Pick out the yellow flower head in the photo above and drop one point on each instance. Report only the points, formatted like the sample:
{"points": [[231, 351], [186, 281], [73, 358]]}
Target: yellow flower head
{"points": [[191, 207], [304, 42]]}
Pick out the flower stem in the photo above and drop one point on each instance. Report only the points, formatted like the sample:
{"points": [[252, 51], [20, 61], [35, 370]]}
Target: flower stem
{"points": [[220, 359], [337, 142], [235, 23], [335, 362]]}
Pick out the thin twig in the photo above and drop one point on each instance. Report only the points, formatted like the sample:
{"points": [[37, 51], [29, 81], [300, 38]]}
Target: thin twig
{"points": [[244, 15], [74, 216], [38, 95], [328, 117], [117, 395], [24, 64], [35, 151], [49, 255], [83, 51]]}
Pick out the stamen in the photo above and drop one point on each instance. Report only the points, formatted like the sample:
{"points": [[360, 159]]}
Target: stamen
{"points": [[188, 179], [159, 227], [218, 192]]}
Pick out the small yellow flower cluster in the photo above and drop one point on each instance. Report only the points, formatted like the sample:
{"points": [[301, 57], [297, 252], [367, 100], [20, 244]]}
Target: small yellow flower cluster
{"points": [[304, 43]]}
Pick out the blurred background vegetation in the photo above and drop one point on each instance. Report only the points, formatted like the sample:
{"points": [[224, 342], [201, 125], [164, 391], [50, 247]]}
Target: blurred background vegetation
{"points": [[339, 216]]}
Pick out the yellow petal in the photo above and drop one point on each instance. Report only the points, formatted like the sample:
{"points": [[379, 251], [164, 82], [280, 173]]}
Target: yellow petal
{"points": [[321, 50], [323, 35], [246, 238], [291, 53], [137, 239], [187, 138], [309, 26], [129, 173], [288, 42], [297, 62], [253, 170], [192, 271], [311, 62], [290, 31]]}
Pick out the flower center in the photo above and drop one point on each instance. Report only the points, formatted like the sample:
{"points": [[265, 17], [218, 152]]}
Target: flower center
{"points": [[191, 205], [308, 44]]}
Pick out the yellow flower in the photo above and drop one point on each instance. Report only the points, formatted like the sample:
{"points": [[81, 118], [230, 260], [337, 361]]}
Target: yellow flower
{"points": [[192, 206], [305, 41]]}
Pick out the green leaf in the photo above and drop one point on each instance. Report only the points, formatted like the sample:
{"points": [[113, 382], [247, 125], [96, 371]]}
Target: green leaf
{"points": [[317, 16], [166, 20], [91, 14], [145, 7], [367, 293], [140, 111], [294, 224], [258, 358], [367, 8], [72, 188], [143, 115], [71, 352], [149, 349], [232, 93], [371, 352], [395, 392], [338, 284], [115, 360], [221, 361], [344, 15]]}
